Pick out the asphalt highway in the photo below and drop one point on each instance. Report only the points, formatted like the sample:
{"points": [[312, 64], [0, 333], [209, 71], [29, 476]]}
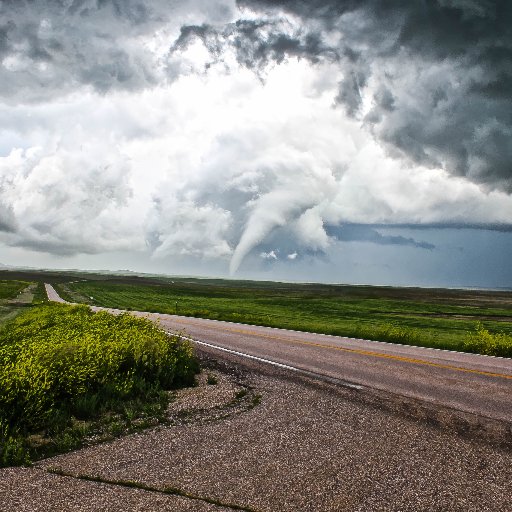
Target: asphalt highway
{"points": [[467, 382]]}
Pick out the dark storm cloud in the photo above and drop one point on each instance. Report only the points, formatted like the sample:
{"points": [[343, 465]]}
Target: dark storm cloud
{"points": [[501, 228], [365, 233], [50, 48], [440, 71], [257, 42], [443, 71], [56, 247]]}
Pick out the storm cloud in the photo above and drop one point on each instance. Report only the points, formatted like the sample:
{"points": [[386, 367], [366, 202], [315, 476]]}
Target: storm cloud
{"points": [[366, 233], [431, 80], [261, 132], [51, 48]]}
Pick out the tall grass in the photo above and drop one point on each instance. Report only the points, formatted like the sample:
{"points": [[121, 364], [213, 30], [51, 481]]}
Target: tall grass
{"points": [[481, 341], [39, 294], [61, 363]]}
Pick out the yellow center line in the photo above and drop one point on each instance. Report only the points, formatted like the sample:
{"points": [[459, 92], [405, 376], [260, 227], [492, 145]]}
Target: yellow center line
{"points": [[369, 353]]}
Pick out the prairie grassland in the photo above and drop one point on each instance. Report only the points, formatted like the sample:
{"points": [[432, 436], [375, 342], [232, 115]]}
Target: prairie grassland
{"points": [[440, 318]]}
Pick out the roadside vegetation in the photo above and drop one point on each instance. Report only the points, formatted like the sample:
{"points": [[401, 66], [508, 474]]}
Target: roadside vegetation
{"points": [[12, 298], [467, 320], [39, 294], [481, 341], [69, 376]]}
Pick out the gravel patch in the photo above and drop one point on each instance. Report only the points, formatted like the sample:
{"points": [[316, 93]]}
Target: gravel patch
{"points": [[214, 389], [306, 446], [217, 395]]}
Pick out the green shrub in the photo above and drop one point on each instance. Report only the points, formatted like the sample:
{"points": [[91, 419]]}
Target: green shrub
{"points": [[482, 341], [211, 379], [388, 332], [59, 362], [13, 449]]}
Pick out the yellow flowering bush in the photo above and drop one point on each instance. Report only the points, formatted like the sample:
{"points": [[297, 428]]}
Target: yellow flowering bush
{"points": [[54, 358]]}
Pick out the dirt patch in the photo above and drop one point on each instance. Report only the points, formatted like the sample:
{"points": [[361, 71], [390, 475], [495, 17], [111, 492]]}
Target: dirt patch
{"points": [[221, 391]]}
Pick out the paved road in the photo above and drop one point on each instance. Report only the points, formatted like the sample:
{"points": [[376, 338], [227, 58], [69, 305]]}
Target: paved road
{"points": [[467, 382], [52, 294]]}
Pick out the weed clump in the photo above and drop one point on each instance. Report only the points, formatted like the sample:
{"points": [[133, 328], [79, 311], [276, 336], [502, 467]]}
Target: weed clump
{"points": [[391, 333], [211, 379], [482, 341], [60, 364]]}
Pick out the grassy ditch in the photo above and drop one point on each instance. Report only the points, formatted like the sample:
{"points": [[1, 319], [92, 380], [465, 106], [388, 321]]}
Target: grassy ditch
{"points": [[69, 376], [40, 296], [439, 318]]}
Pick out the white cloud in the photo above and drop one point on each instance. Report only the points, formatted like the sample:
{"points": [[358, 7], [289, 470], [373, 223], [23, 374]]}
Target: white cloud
{"points": [[271, 255], [182, 228], [67, 202]]}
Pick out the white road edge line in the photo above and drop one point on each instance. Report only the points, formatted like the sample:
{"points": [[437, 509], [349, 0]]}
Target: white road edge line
{"points": [[269, 361]]}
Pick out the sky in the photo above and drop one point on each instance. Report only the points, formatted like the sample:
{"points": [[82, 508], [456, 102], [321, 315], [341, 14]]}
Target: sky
{"points": [[348, 141]]}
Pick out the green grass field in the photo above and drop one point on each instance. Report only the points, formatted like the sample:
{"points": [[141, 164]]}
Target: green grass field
{"points": [[426, 317]]}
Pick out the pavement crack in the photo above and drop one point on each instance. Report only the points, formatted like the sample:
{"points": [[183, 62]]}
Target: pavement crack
{"points": [[172, 491]]}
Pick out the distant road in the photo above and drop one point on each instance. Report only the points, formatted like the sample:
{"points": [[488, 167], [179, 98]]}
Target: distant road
{"points": [[467, 382], [52, 294]]}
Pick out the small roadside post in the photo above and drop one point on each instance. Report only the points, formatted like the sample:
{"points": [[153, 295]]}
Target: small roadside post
{"points": [[176, 307]]}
